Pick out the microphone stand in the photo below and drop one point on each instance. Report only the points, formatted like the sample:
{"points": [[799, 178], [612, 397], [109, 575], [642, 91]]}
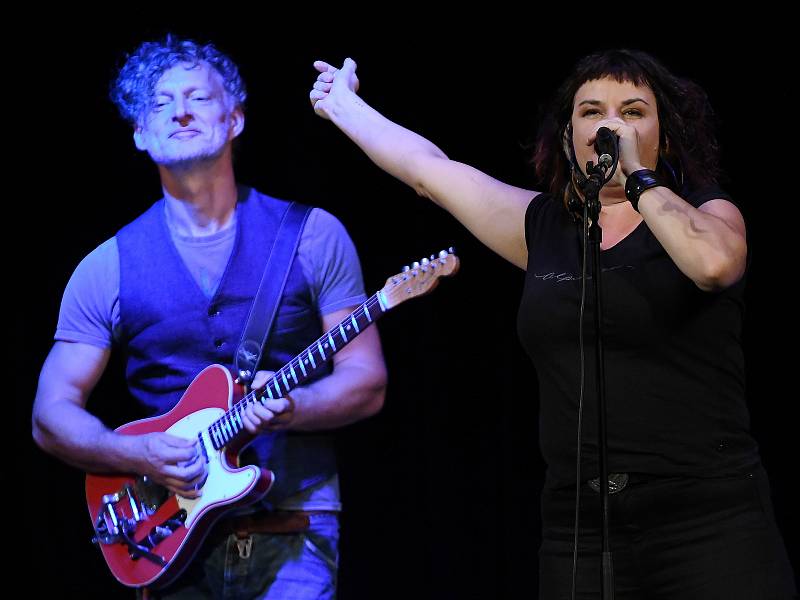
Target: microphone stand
{"points": [[591, 210]]}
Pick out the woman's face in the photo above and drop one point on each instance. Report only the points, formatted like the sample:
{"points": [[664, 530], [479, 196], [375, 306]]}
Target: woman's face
{"points": [[628, 109]]}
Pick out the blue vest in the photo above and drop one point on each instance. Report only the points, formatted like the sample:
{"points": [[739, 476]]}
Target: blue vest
{"points": [[170, 330]]}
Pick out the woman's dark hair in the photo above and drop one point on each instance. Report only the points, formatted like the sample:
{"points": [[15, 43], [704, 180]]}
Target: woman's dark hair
{"points": [[688, 149]]}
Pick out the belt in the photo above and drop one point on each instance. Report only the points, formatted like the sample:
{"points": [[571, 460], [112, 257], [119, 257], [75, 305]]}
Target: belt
{"points": [[277, 521], [616, 483]]}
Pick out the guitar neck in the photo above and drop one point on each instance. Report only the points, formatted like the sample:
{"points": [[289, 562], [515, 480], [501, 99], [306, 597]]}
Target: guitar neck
{"points": [[414, 281], [301, 367]]}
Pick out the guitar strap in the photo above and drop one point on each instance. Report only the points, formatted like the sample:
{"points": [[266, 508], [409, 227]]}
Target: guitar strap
{"points": [[265, 304]]}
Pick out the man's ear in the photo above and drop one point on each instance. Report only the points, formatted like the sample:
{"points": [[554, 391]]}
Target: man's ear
{"points": [[237, 119], [137, 137]]}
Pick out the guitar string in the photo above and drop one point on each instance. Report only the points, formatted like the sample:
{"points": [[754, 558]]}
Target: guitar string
{"points": [[371, 302], [236, 409]]}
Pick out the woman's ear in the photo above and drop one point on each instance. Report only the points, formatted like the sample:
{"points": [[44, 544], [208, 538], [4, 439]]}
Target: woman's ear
{"points": [[566, 143]]}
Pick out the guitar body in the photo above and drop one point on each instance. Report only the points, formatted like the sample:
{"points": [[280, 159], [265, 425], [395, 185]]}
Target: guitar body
{"points": [[147, 534], [176, 525]]}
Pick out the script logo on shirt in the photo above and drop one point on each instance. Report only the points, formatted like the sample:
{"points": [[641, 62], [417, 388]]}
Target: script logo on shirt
{"points": [[561, 277]]}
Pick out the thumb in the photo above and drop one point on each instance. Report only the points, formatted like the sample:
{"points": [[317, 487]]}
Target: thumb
{"points": [[349, 66], [261, 378]]}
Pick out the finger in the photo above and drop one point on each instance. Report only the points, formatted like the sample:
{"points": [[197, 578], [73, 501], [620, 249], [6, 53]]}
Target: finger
{"points": [[192, 492], [249, 423], [169, 458], [195, 471], [261, 378], [176, 486], [189, 483], [262, 414], [277, 405], [255, 420], [326, 77], [317, 95], [160, 450], [198, 482], [189, 463], [199, 455], [611, 124], [322, 66], [182, 473], [321, 85]]}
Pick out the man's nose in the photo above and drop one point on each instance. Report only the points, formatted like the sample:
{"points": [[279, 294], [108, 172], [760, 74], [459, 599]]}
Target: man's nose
{"points": [[182, 114]]}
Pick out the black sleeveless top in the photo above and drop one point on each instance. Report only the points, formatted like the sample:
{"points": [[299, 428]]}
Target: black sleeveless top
{"points": [[674, 365]]}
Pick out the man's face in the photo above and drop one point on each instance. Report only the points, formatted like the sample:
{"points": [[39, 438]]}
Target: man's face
{"points": [[191, 119]]}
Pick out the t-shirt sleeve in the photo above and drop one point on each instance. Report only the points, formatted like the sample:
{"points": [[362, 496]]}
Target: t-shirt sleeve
{"points": [[330, 263], [91, 299], [531, 214], [699, 197]]}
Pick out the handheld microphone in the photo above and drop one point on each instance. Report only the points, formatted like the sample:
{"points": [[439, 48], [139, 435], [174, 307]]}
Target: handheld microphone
{"points": [[606, 144]]}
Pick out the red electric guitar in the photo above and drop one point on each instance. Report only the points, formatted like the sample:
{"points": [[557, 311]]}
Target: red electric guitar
{"points": [[147, 534]]}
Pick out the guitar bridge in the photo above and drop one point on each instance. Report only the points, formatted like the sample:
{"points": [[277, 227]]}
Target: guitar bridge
{"points": [[122, 511]]}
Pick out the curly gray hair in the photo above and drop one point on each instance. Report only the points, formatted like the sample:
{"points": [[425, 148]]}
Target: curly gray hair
{"points": [[133, 89]]}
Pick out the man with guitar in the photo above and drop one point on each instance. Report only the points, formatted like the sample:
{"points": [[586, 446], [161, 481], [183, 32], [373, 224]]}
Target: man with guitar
{"points": [[173, 291]]}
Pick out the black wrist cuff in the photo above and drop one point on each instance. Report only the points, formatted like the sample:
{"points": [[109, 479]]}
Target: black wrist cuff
{"points": [[638, 182]]}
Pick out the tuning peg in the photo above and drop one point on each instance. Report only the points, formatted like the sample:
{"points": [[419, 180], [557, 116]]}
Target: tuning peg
{"points": [[415, 265], [425, 261], [406, 269]]}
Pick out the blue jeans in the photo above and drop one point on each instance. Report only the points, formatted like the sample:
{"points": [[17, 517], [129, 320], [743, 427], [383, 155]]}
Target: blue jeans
{"points": [[681, 538], [285, 566]]}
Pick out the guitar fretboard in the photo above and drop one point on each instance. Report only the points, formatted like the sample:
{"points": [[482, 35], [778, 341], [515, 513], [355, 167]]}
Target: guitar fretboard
{"points": [[299, 369]]}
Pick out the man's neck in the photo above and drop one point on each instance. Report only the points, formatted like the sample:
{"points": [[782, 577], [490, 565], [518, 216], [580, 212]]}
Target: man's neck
{"points": [[200, 200]]}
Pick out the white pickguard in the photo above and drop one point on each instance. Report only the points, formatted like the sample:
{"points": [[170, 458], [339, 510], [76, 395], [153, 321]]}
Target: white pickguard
{"points": [[223, 485]]}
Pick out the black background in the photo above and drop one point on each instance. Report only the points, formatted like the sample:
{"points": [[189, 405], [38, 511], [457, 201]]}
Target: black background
{"points": [[440, 489]]}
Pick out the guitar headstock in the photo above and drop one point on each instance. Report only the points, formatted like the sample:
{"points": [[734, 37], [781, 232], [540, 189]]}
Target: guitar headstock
{"points": [[420, 278]]}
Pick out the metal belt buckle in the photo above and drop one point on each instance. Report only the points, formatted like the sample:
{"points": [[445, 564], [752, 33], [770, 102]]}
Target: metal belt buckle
{"points": [[616, 483]]}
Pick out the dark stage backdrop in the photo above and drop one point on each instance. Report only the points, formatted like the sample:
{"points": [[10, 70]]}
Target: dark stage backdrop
{"points": [[440, 489]]}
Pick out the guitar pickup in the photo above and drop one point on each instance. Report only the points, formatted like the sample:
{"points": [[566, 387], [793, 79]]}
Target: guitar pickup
{"points": [[150, 495], [160, 532]]}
